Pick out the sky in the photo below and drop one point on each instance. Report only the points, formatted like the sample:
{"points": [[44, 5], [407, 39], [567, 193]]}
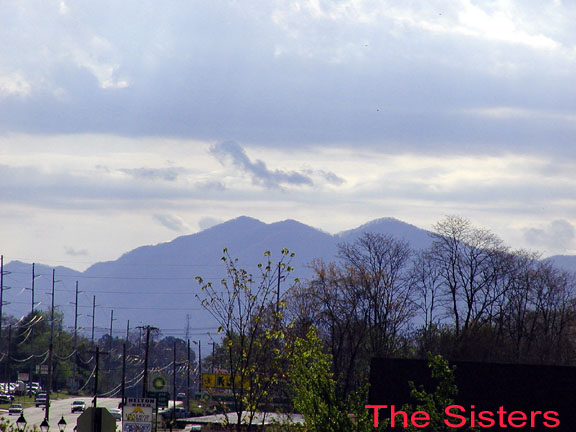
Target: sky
{"points": [[125, 123]]}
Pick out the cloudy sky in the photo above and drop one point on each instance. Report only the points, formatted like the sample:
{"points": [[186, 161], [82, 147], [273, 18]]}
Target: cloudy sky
{"points": [[125, 122]]}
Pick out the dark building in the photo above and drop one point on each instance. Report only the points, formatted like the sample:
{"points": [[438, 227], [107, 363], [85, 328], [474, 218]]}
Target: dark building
{"points": [[486, 387]]}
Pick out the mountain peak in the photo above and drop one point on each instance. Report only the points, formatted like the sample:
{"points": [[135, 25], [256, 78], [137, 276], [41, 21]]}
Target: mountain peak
{"points": [[416, 237], [243, 221]]}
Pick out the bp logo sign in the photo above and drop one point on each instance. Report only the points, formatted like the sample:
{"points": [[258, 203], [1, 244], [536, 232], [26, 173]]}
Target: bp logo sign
{"points": [[157, 383]]}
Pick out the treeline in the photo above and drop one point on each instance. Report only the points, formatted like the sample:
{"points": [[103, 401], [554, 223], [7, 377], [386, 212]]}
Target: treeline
{"points": [[467, 297], [25, 343]]}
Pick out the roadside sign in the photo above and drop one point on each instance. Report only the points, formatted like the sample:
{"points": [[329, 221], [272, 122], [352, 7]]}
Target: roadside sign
{"points": [[221, 381], [157, 382], [141, 402], [208, 380], [96, 420], [138, 414], [42, 369], [161, 398]]}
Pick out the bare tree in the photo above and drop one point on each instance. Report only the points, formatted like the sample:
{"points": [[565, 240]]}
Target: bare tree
{"points": [[361, 306], [428, 298], [554, 313], [379, 264], [471, 263]]}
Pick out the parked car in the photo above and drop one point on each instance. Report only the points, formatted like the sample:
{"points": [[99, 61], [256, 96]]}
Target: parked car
{"points": [[179, 412], [116, 413], [6, 398], [15, 409], [78, 406], [181, 396]]}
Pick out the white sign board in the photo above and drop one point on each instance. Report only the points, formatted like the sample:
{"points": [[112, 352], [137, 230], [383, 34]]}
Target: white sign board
{"points": [[137, 414]]}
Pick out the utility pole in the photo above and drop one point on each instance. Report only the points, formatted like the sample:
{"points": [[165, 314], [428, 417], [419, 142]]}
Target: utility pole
{"points": [[95, 400], [145, 376], [278, 295], [50, 351], [173, 416], [123, 374], [32, 289], [199, 366], [93, 316], [111, 321], [1, 294], [7, 376], [213, 354], [110, 347], [76, 337], [127, 331], [76, 319], [146, 348], [188, 377], [97, 353]]}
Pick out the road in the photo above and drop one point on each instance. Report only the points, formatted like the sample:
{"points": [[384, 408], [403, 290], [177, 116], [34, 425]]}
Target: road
{"points": [[61, 408]]}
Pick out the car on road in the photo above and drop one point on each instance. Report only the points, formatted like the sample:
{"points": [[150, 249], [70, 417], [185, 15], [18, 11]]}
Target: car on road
{"points": [[116, 413], [78, 406], [40, 401], [180, 396], [15, 409]]}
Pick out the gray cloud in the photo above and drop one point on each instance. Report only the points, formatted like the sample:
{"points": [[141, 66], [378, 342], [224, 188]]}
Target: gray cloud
{"points": [[258, 170], [173, 223], [167, 174], [559, 235], [62, 189], [76, 252], [330, 177], [392, 77]]}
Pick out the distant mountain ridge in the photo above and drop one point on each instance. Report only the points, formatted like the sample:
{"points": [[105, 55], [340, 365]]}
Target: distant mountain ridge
{"points": [[155, 284]]}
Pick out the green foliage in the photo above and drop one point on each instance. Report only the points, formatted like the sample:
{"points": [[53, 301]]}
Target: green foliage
{"points": [[30, 343], [316, 393], [435, 403]]}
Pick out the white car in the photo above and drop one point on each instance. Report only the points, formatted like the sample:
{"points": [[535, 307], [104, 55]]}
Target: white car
{"points": [[116, 413], [78, 405], [15, 409]]}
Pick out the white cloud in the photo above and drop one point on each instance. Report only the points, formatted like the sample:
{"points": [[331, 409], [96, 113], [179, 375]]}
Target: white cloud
{"points": [[558, 236], [355, 109], [14, 84]]}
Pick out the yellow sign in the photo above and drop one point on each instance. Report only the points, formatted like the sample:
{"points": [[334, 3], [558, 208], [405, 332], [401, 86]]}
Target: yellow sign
{"points": [[220, 381], [208, 380]]}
